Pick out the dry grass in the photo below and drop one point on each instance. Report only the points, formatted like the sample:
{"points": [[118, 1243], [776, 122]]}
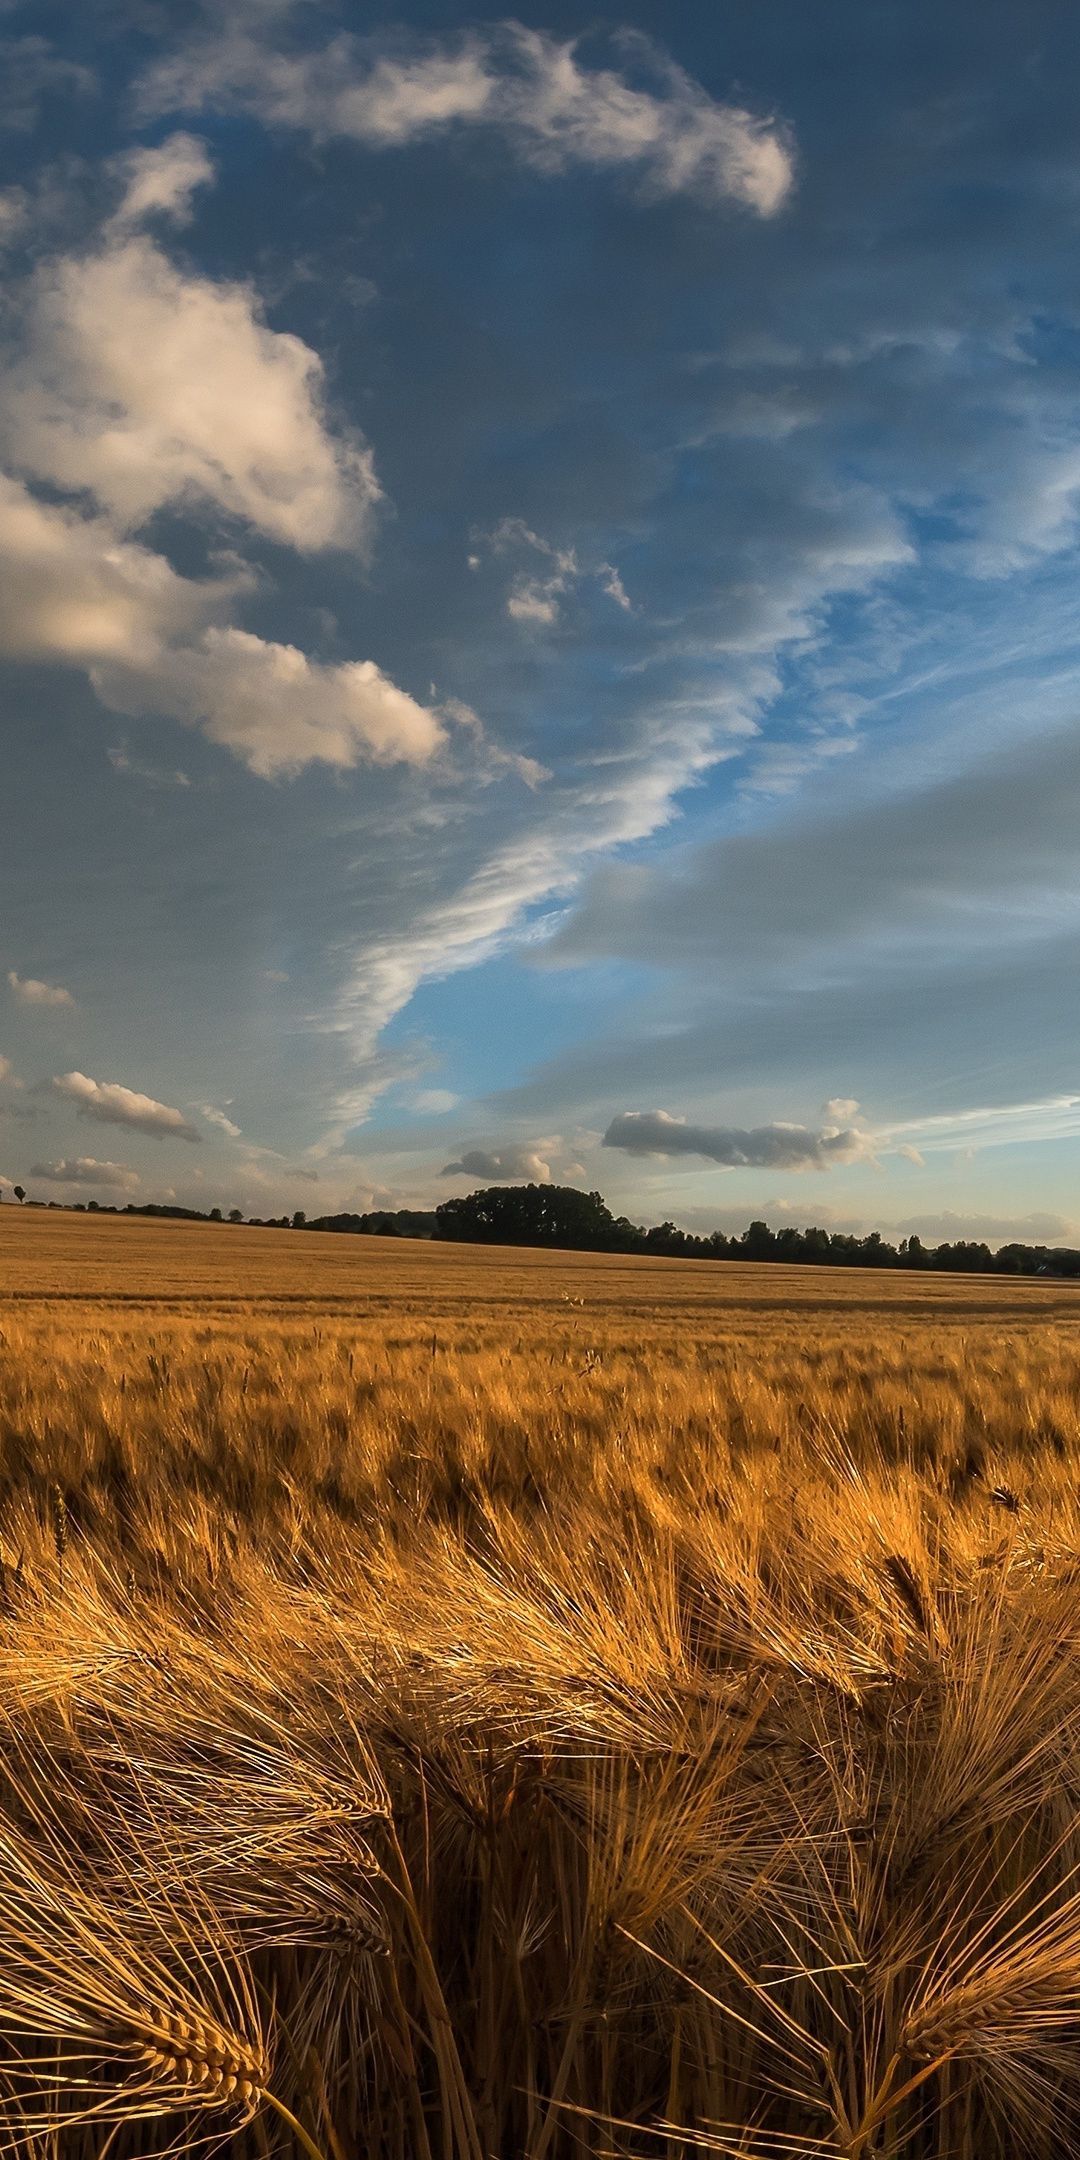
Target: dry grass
{"points": [[471, 1704]]}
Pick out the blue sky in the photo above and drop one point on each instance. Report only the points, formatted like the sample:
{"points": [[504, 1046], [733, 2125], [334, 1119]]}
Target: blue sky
{"points": [[539, 619]]}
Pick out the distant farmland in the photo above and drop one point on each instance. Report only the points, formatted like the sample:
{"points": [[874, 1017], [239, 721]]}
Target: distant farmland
{"points": [[458, 1702]]}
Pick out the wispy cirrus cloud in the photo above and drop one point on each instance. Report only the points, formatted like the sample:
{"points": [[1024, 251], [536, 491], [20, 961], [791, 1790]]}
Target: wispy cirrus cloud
{"points": [[221, 1119], [556, 111]]}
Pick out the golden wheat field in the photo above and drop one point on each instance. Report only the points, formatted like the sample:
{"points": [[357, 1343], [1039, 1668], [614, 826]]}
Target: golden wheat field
{"points": [[462, 1704]]}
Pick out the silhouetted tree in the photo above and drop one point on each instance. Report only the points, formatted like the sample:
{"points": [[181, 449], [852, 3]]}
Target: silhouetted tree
{"points": [[19, 1192], [758, 1242], [530, 1215]]}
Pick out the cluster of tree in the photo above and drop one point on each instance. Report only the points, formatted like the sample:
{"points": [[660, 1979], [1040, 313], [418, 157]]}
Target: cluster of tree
{"points": [[381, 1222], [560, 1215], [378, 1222]]}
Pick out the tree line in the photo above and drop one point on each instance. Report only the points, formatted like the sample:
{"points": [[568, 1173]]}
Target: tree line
{"points": [[559, 1216]]}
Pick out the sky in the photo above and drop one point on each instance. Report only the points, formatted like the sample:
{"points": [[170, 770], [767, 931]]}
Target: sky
{"points": [[539, 607]]}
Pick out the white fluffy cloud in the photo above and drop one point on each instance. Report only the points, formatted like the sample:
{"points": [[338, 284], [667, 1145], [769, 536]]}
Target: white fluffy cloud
{"points": [[84, 1170], [152, 641], [502, 1166], [112, 1104], [275, 708], [30, 991], [555, 112], [148, 385], [773, 1147], [140, 386], [71, 591]]}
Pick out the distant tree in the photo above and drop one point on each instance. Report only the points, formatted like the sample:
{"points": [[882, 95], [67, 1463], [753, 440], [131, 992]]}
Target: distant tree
{"points": [[235, 1215], [299, 1219], [19, 1192], [215, 1214]]}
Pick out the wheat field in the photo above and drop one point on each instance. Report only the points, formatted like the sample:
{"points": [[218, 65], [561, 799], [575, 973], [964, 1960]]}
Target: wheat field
{"points": [[461, 1703]]}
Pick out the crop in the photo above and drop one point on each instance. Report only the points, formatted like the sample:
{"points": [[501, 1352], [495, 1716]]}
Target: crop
{"points": [[457, 1705]]}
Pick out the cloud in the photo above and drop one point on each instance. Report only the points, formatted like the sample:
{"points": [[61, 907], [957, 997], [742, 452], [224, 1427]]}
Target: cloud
{"points": [[961, 861], [922, 1031], [535, 600], [112, 1104], [536, 597], [624, 799], [977, 1126], [506, 1165], [150, 386], [277, 710], [162, 181], [783, 1147], [151, 641], [435, 1102], [139, 387], [136, 768], [945, 1226], [71, 591], [9, 1081], [555, 113], [83, 1170], [217, 1117], [30, 991]]}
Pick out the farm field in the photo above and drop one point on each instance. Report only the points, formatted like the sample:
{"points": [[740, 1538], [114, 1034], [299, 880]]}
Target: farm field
{"points": [[460, 1703]]}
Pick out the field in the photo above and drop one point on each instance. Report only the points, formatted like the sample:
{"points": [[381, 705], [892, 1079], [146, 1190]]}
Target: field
{"points": [[462, 1703]]}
